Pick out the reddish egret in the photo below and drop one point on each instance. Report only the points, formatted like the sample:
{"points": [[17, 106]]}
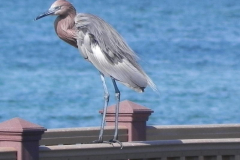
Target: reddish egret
{"points": [[100, 44]]}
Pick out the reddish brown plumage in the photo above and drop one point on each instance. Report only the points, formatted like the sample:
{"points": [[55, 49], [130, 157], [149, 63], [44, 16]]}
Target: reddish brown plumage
{"points": [[64, 24]]}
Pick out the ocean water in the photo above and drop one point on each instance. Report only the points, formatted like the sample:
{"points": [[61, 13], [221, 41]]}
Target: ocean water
{"points": [[190, 49]]}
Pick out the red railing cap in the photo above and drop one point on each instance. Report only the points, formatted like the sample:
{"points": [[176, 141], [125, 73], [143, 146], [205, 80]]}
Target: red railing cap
{"points": [[20, 125], [128, 107]]}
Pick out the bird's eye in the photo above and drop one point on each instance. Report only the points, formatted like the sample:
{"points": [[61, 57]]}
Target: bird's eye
{"points": [[57, 8]]}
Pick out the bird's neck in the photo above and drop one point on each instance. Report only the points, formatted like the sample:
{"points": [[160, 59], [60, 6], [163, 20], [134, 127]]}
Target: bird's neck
{"points": [[65, 28]]}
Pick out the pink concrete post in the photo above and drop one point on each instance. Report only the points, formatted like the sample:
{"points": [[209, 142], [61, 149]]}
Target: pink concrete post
{"points": [[131, 115], [23, 136]]}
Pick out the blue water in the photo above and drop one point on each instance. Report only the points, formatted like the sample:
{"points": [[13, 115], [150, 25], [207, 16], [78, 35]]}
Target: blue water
{"points": [[191, 50]]}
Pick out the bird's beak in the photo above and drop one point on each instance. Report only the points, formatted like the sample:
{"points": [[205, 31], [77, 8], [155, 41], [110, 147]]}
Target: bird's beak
{"points": [[49, 12]]}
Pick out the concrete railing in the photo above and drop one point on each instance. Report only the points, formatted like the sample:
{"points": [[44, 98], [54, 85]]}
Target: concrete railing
{"points": [[20, 140], [8, 153], [68, 136], [88, 134], [212, 131], [204, 149]]}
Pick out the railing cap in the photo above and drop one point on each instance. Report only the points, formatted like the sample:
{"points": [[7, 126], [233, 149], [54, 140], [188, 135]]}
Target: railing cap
{"points": [[128, 107], [20, 125]]}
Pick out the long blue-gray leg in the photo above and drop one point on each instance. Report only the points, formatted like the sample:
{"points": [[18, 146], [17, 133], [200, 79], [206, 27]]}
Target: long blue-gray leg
{"points": [[106, 100], [117, 96]]}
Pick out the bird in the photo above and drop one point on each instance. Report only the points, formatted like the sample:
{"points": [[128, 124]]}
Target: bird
{"points": [[101, 45]]}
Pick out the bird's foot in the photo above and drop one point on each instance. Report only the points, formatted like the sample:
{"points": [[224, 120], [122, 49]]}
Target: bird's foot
{"points": [[98, 141], [111, 141]]}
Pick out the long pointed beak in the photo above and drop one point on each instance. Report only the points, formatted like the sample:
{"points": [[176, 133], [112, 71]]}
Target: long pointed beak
{"points": [[49, 12]]}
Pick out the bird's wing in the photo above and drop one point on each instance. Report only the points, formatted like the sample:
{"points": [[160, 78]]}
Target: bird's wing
{"points": [[107, 51], [110, 42], [83, 43]]}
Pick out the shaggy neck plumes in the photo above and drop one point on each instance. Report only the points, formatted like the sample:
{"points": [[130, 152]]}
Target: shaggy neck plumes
{"points": [[65, 27]]}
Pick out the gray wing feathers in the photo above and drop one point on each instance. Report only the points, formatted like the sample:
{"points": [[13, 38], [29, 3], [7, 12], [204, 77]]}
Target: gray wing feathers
{"points": [[107, 51], [108, 39], [84, 44]]}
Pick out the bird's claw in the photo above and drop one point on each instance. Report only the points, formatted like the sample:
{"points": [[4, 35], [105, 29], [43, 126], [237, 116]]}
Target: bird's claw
{"points": [[98, 141], [111, 141]]}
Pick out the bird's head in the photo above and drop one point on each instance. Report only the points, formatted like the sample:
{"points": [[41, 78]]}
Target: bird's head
{"points": [[59, 7]]}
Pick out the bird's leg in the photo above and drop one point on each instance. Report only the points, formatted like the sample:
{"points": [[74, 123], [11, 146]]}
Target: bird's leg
{"points": [[117, 95], [106, 100]]}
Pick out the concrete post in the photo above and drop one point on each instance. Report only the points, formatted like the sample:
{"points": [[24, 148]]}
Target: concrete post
{"points": [[131, 115], [23, 136]]}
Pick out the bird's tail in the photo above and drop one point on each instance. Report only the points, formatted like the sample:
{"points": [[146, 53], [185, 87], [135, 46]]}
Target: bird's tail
{"points": [[151, 84]]}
